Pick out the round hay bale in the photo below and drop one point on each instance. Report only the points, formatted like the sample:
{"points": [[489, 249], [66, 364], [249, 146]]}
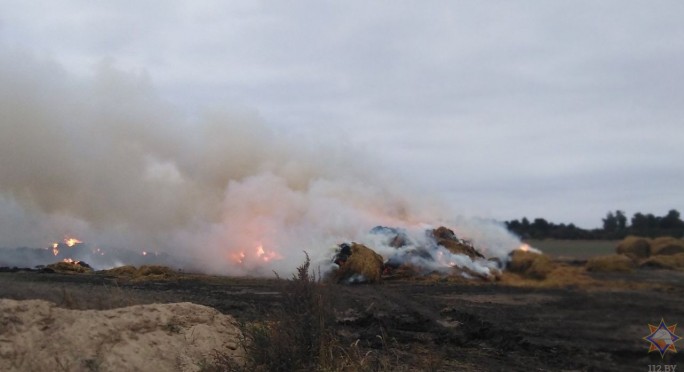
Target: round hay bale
{"points": [[667, 246], [635, 247], [669, 262], [610, 263], [362, 266], [530, 264]]}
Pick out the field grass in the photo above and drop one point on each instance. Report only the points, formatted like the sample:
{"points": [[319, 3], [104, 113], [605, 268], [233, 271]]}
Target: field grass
{"points": [[580, 249]]}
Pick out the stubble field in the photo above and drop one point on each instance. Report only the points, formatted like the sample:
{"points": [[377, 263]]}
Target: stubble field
{"points": [[593, 324]]}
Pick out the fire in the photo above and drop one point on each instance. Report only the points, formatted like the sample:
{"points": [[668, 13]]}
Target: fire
{"points": [[258, 253], [266, 256], [71, 261], [144, 253], [70, 242], [443, 260], [238, 257], [527, 248]]}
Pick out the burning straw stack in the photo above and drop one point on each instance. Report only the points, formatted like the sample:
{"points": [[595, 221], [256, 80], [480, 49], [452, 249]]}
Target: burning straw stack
{"points": [[441, 253]]}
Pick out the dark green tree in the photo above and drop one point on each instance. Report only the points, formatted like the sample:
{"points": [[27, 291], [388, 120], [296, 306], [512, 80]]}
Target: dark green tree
{"points": [[615, 226], [639, 222], [621, 221], [525, 223], [610, 223], [671, 220]]}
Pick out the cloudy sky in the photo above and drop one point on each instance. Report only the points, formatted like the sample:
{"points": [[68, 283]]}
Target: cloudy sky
{"points": [[562, 110]]}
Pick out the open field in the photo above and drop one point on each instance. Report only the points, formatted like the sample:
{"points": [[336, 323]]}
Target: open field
{"points": [[579, 249], [426, 324]]}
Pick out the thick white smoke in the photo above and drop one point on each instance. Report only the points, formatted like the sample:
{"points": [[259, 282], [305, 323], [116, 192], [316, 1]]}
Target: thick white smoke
{"points": [[106, 159]]}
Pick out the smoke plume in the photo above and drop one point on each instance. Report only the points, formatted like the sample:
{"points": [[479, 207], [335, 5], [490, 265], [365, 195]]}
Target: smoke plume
{"points": [[106, 159]]}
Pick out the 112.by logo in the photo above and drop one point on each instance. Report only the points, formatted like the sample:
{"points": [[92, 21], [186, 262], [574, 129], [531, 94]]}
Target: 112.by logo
{"points": [[662, 338]]}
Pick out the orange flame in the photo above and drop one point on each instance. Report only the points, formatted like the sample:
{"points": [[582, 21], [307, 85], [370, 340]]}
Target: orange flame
{"points": [[266, 256], [258, 253], [71, 261], [70, 242], [524, 247], [238, 257]]}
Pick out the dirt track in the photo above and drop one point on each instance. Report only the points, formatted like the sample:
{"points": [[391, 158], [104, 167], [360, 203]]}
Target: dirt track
{"points": [[460, 326]]}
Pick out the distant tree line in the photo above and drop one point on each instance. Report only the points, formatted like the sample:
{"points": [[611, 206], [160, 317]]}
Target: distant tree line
{"points": [[615, 226]]}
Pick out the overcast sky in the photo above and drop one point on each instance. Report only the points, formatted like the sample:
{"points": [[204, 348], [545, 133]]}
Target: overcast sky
{"points": [[563, 110]]}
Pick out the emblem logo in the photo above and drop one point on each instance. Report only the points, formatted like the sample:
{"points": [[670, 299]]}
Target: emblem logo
{"points": [[662, 338]]}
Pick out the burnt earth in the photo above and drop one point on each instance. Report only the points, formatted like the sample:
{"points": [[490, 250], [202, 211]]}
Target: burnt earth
{"points": [[458, 326]]}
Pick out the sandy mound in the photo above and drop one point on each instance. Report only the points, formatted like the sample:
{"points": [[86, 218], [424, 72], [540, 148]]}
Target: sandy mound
{"points": [[38, 336], [611, 263], [671, 262], [530, 264], [362, 266], [667, 246], [635, 247]]}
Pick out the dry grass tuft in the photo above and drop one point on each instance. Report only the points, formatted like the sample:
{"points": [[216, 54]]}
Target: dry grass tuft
{"points": [[143, 273], [68, 267], [531, 265], [299, 336], [667, 246], [562, 276], [447, 239], [611, 263], [156, 270], [670, 262], [126, 270]]}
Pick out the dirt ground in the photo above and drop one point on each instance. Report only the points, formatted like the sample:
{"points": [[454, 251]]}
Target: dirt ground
{"points": [[36, 335], [430, 324]]}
